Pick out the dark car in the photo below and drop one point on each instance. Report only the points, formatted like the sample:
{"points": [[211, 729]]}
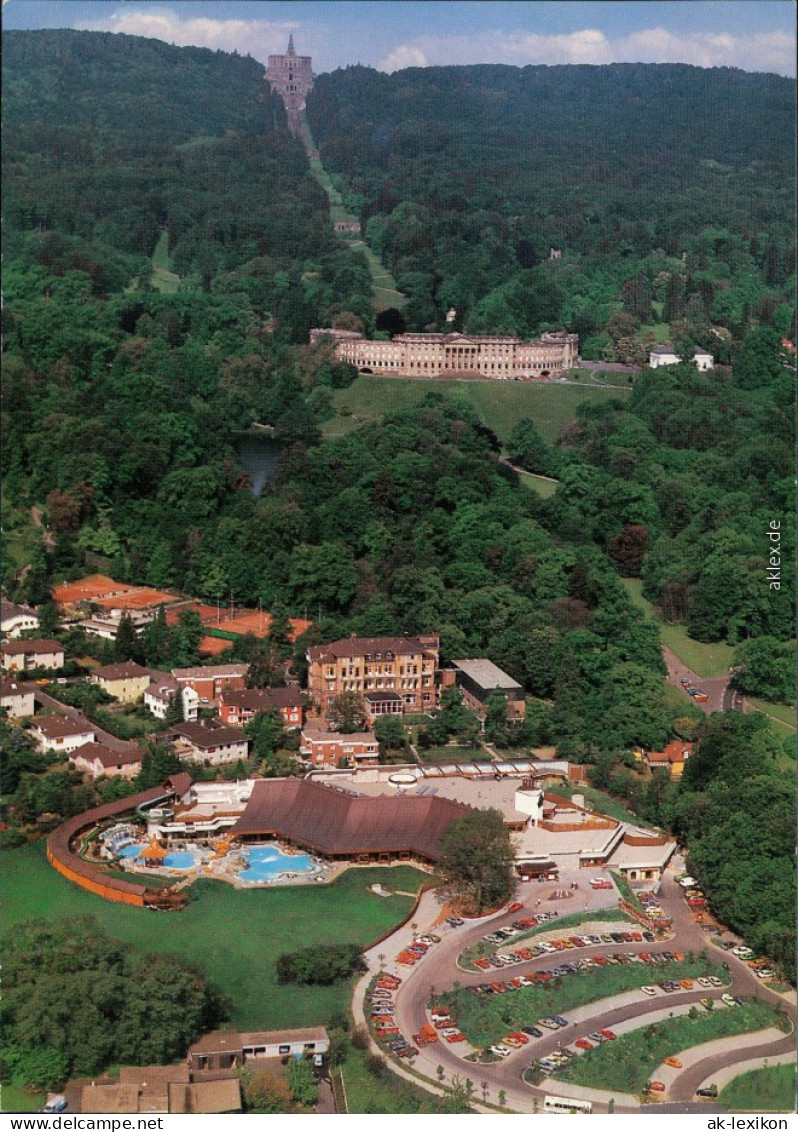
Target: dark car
{"points": [[533, 1031]]}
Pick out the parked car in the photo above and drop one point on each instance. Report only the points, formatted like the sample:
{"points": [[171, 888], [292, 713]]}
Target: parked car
{"points": [[583, 1043], [649, 990], [715, 981], [656, 1087], [501, 1050], [533, 1031], [608, 1034], [516, 906], [729, 999], [673, 1062]]}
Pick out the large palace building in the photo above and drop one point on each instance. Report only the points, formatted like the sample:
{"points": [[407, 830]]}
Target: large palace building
{"points": [[291, 76], [500, 357]]}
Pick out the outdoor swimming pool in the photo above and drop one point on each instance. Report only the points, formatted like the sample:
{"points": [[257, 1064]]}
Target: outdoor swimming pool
{"points": [[179, 859], [267, 863]]}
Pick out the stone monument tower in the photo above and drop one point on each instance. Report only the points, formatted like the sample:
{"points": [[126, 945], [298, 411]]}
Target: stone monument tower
{"points": [[291, 77]]}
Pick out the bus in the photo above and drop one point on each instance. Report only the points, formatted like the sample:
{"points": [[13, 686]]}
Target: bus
{"points": [[566, 1104]]}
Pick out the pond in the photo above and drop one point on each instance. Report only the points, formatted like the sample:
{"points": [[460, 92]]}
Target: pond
{"points": [[258, 454]]}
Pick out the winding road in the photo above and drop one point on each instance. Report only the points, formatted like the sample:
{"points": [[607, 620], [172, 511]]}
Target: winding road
{"points": [[438, 971]]}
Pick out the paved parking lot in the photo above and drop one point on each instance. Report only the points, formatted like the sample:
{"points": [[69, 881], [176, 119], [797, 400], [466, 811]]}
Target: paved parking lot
{"points": [[438, 970]]}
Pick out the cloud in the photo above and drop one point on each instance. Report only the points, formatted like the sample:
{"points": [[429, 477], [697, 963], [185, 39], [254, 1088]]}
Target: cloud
{"points": [[764, 51], [258, 38], [402, 57]]}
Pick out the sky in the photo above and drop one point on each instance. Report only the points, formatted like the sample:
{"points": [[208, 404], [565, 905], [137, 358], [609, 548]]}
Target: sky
{"points": [[754, 35]]}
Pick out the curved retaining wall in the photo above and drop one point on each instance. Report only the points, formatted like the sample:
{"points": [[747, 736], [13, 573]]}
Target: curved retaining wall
{"points": [[88, 876]]}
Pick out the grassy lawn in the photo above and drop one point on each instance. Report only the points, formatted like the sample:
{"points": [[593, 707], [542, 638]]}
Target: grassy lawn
{"points": [[484, 948], [234, 936], [163, 278], [13, 1099], [437, 756], [762, 1090], [783, 713], [499, 404], [367, 1092], [704, 659], [541, 484], [600, 802], [628, 1062], [485, 1018]]}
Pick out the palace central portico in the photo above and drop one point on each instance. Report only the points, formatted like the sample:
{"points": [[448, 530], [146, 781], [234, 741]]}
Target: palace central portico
{"points": [[498, 357]]}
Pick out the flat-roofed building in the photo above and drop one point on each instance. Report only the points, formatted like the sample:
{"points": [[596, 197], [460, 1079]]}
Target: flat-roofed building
{"points": [[234, 1049], [479, 678], [404, 666]]}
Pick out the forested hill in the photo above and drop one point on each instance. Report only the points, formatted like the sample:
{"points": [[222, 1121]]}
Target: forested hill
{"points": [[470, 174], [111, 138]]}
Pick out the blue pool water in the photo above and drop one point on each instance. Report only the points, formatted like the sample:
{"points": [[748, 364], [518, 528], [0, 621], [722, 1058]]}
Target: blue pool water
{"points": [[177, 860], [267, 862]]}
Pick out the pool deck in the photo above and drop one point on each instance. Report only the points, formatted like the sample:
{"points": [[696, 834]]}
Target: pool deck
{"points": [[229, 868]]}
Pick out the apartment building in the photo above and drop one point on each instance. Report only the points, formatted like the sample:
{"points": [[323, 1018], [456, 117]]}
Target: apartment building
{"points": [[373, 666]]}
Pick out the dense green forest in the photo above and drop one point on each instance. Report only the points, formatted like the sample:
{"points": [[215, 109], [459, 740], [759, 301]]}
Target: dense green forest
{"points": [[660, 184], [123, 402]]}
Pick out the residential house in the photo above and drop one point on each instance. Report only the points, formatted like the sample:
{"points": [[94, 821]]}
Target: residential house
{"points": [[212, 744], [332, 748], [163, 690], [16, 619], [96, 759], [21, 655], [478, 678], [402, 666], [238, 707], [672, 758], [17, 699], [212, 679], [61, 733], [126, 682]]}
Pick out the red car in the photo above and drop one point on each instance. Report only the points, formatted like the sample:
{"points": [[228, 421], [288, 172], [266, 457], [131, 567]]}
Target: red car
{"points": [[483, 964], [583, 1043], [608, 1034], [515, 907], [456, 1038], [656, 1087]]}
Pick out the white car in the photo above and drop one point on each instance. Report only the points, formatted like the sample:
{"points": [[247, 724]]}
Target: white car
{"points": [[742, 952], [703, 981], [765, 973], [715, 981], [649, 990], [501, 1050]]}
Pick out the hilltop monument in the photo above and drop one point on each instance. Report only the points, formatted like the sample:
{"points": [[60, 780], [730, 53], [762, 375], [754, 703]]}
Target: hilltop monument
{"points": [[291, 76]]}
